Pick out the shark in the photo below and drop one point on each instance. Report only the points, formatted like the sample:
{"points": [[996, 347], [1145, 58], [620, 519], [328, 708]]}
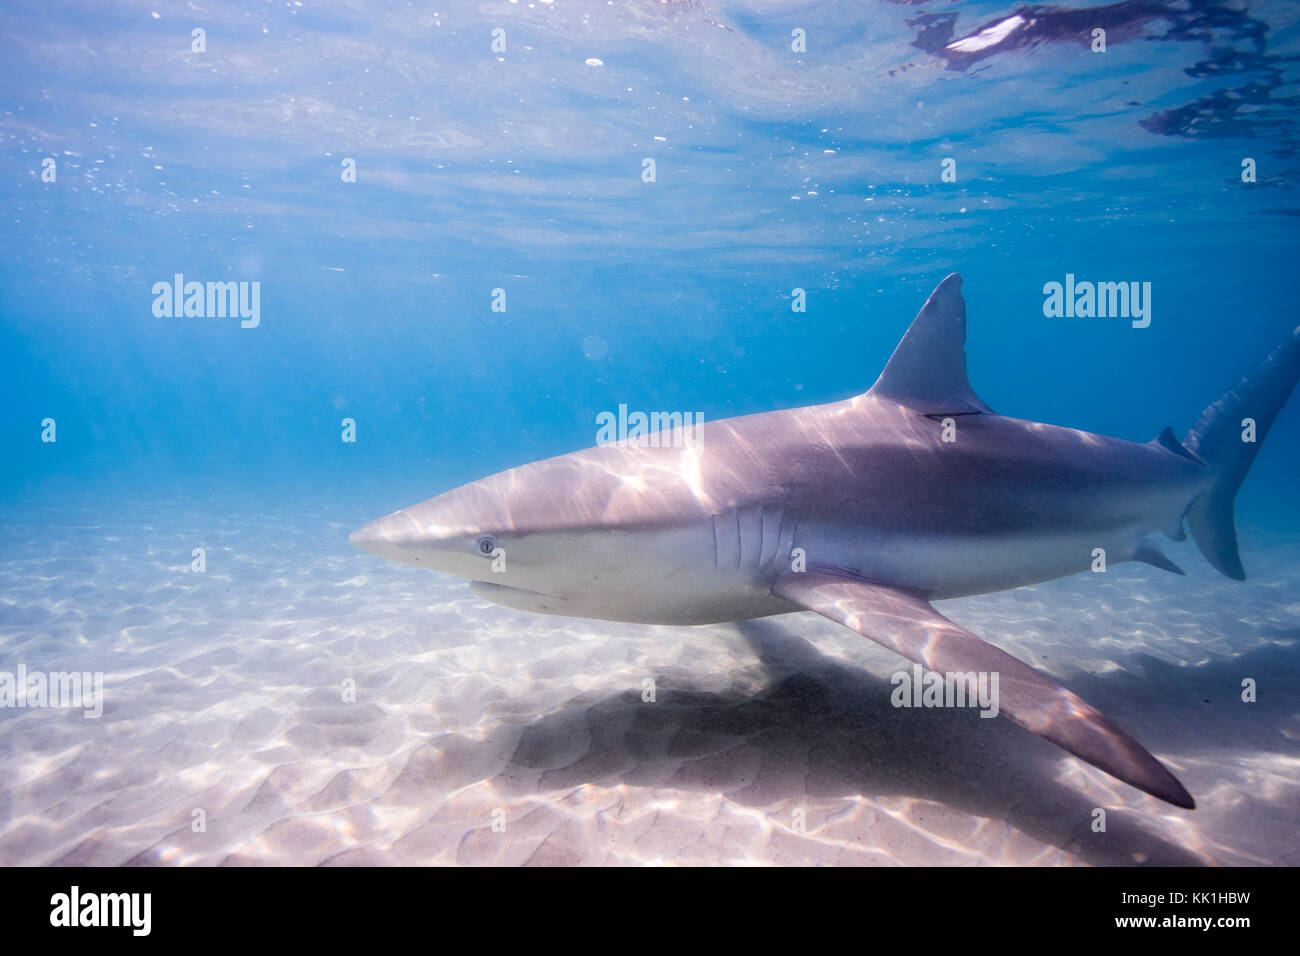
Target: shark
{"points": [[864, 511]]}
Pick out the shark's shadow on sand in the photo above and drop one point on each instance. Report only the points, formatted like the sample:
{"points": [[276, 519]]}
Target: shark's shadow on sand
{"points": [[821, 730]]}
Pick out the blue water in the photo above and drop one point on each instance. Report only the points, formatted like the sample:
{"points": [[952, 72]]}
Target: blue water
{"points": [[521, 170]]}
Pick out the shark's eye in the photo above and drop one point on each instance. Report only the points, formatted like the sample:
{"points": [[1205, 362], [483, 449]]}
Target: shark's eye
{"points": [[486, 546]]}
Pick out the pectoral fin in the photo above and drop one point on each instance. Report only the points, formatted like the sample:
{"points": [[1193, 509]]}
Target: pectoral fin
{"points": [[905, 622], [518, 598], [1148, 552]]}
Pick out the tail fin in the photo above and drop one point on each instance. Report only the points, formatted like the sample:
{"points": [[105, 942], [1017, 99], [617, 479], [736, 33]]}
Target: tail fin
{"points": [[1224, 439]]}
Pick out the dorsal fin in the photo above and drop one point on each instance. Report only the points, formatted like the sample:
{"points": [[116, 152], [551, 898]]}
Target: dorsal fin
{"points": [[1167, 440], [927, 371]]}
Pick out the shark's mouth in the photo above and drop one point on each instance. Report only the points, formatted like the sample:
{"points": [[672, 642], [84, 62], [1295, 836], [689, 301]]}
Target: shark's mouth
{"points": [[520, 598]]}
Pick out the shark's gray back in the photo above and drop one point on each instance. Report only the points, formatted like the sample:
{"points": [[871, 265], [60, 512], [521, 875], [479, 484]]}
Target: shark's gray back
{"points": [[869, 485]]}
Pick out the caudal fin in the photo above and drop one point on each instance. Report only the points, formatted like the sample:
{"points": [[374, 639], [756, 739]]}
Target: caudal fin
{"points": [[1227, 437]]}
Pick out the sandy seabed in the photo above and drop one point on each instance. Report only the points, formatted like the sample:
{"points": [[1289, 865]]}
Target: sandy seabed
{"points": [[769, 742]]}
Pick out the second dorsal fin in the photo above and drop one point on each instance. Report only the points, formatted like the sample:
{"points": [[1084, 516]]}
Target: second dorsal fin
{"points": [[1168, 441], [927, 371]]}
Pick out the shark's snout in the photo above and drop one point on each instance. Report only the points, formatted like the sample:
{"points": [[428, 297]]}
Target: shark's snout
{"points": [[388, 537]]}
